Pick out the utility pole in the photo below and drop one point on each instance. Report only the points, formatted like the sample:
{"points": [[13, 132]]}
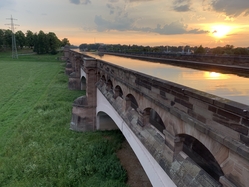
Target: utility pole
{"points": [[12, 25]]}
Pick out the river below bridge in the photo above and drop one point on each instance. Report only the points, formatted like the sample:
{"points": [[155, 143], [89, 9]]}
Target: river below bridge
{"points": [[229, 86]]}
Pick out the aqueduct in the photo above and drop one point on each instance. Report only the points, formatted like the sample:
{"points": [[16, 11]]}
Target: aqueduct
{"points": [[181, 136]]}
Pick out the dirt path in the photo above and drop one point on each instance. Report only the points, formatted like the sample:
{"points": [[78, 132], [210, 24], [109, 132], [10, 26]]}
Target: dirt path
{"points": [[136, 174]]}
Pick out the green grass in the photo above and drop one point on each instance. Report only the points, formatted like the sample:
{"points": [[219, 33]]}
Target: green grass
{"points": [[36, 146]]}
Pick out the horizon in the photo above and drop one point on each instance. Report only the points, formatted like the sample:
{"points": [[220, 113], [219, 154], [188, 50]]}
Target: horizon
{"points": [[134, 22]]}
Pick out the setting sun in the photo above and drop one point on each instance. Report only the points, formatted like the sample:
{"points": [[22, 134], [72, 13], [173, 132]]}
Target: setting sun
{"points": [[220, 31]]}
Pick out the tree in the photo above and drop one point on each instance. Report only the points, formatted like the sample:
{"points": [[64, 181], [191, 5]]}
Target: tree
{"points": [[20, 39], [64, 42], [200, 50], [240, 51], [53, 43], [228, 49], [30, 39], [46, 43], [8, 38], [83, 47], [41, 44], [1, 38], [218, 50]]}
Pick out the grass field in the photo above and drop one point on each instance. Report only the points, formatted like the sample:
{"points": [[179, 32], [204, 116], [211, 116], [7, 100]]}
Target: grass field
{"points": [[36, 146]]}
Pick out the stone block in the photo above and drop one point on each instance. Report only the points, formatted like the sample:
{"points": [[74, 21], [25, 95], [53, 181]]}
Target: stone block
{"points": [[175, 112], [199, 95], [205, 180], [245, 121], [212, 108], [175, 178], [231, 144], [223, 129], [225, 182], [237, 108], [197, 116], [184, 103], [180, 95], [243, 150], [194, 183], [187, 179], [229, 115], [217, 136], [175, 166], [201, 127], [192, 167], [177, 88]]}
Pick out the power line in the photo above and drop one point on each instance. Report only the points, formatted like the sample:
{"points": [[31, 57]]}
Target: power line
{"points": [[12, 25]]}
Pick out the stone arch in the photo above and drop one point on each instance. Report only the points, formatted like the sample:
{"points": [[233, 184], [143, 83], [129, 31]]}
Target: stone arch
{"points": [[199, 153], [131, 102], [118, 92], [176, 126], [83, 83]]}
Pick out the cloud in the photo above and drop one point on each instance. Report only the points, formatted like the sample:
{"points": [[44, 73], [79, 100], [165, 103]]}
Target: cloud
{"points": [[231, 8], [77, 2], [126, 24], [111, 7], [182, 5], [119, 23], [175, 28], [139, 0], [121, 20], [4, 3]]}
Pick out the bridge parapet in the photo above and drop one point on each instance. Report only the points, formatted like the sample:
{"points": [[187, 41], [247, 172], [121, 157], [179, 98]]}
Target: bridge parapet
{"points": [[184, 129]]}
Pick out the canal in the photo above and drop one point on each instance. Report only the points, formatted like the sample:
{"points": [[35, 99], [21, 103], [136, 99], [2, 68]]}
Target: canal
{"points": [[229, 86]]}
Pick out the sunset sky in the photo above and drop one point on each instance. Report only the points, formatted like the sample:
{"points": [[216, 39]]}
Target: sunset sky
{"points": [[209, 23]]}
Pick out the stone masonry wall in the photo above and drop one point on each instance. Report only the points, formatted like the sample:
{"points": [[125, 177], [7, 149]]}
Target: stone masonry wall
{"points": [[224, 122], [221, 125]]}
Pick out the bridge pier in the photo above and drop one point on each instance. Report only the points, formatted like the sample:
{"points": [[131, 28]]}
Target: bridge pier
{"points": [[74, 82], [84, 108], [67, 57]]}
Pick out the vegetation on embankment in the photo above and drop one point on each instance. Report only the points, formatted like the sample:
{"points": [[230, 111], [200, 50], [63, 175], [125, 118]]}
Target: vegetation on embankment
{"points": [[36, 146]]}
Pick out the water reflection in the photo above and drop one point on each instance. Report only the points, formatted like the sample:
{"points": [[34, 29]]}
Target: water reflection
{"points": [[228, 86], [214, 75]]}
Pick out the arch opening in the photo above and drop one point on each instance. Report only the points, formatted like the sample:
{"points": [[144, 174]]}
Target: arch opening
{"points": [[98, 76], [105, 122], [201, 156], [109, 85], [103, 78], [155, 120], [83, 83], [118, 92], [131, 102]]}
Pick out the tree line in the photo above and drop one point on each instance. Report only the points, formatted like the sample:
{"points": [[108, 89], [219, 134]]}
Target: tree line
{"points": [[225, 50], [40, 42]]}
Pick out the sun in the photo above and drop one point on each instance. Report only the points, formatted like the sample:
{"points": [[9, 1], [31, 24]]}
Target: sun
{"points": [[220, 31]]}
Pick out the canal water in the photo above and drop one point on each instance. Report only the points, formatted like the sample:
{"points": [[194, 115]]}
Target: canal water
{"points": [[229, 86]]}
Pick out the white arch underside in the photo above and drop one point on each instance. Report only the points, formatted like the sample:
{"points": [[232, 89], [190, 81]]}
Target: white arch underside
{"points": [[156, 174]]}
